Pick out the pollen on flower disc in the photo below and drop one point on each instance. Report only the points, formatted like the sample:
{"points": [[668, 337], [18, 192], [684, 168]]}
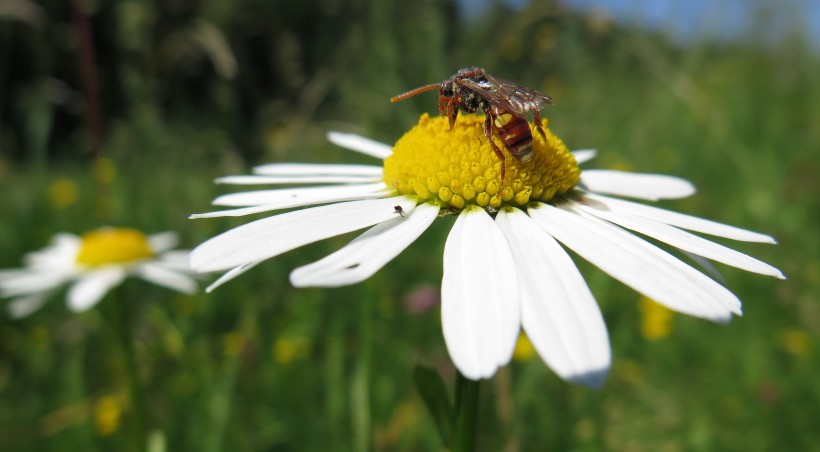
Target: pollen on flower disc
{"points": [[458, 167], [113, 246]]}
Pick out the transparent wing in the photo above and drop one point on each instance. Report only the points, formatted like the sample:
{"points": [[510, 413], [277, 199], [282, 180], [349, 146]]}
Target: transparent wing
{"points": [[507, 95]]}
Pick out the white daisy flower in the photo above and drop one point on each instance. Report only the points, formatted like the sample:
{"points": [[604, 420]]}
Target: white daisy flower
{"points": [[504, 264], [94, 264]]}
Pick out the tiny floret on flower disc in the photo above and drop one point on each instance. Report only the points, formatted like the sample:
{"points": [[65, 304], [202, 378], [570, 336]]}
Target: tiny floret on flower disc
{"points": [[456, 168], [513, 233], [93, 264]]}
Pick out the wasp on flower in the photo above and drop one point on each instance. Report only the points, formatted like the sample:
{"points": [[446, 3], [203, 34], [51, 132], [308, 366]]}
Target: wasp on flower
{"points": [[505, 264], [504, 103]]}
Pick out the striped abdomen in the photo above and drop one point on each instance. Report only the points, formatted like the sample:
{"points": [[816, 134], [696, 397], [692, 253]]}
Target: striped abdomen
{"points": [[514, 132]]}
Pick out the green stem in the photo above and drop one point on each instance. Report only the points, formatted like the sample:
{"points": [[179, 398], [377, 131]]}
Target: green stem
{"points": [[466, 414], [123, 330]]}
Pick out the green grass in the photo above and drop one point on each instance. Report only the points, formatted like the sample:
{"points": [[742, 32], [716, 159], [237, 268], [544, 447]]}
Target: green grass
{"points": [[258, 365]]}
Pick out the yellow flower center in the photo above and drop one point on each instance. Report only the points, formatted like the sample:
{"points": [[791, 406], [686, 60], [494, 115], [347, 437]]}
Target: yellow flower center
{"points": [[457, 167], [113, 246]]}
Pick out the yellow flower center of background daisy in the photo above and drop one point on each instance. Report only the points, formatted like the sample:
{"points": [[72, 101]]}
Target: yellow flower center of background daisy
{"points": [[113, 246], [459, 167]]}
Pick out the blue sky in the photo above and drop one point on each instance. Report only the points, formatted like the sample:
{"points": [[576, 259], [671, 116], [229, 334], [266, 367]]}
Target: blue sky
{"points": [[688, 19]]}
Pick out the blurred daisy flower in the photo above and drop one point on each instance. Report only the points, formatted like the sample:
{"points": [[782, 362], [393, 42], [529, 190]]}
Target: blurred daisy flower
{"points": [[504, 266], [94, 264]]}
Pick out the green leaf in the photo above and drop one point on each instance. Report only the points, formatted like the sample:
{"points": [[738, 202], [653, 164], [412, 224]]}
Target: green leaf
{"points": [[434, 393]]}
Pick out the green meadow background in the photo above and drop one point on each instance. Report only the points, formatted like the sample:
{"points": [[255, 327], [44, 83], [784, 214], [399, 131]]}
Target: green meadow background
{"points": [[191, 90]]}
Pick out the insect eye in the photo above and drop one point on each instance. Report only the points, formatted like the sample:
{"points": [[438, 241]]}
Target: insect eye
{"points": [[446, 89]]}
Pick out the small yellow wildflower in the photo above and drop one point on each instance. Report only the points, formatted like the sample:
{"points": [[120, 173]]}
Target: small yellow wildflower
{"points": [[62, 193], [524, 350], [796, 343], [656, 319], [107, 414], [286, 350]]}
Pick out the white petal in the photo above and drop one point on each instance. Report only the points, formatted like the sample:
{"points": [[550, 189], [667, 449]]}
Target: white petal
{"points": [[681, 239], [165, 277], [707, 266], [638, 264], [558, 312], [27, 281], [290, 198], [584, 155], [65, 239], [480, 307], [251, 179], [316, 169], [61, 253], [682, 220], [634, 185], [163, 241], [25, 306], [300, 194], [361, 144], [91, 287], [176, 260], [231, 274], [269, 237], [368, 253], [11, 273]]}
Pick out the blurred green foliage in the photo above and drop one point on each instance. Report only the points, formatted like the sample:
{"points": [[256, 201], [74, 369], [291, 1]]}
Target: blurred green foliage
{"points": [[190, 90]]}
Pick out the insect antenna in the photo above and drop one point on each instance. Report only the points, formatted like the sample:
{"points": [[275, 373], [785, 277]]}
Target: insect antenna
{"points": [[413, 92]]}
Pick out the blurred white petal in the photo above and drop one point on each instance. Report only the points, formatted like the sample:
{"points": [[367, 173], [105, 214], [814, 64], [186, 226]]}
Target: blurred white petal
{"points": [[60, 254], [25, 306], [360, 144], [584, 155], [480, 308], [175, 259], [163, 241], [558, 312], [26, 281], [269, 237], [643, 186], [91, 287], [166, 277], [368, 253]]}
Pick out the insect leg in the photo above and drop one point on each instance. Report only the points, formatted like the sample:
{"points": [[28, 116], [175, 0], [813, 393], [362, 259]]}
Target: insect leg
{"points": [[536, 118], [488, 132], [446, 106], [442, 105]]}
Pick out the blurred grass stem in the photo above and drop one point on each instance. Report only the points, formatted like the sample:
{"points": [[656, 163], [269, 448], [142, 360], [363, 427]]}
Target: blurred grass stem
{"points": [[122, 327], [223, 390], [360, 384], [88, 75]]}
